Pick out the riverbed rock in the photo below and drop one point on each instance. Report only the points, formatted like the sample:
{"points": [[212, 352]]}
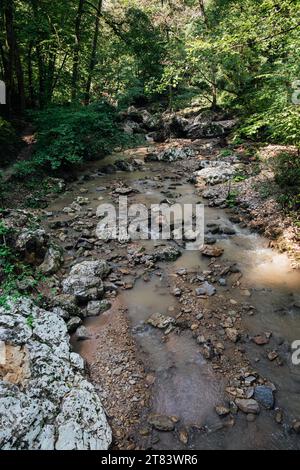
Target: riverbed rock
{"points": [[173, 154], [232, 334], [45, 401], [157, 320], [222, 410], [248, 405], [161, 422], [216, 174], [260, 340], [85, 280], [82, 333], [206, 289], [212, 251], [67, 302], [123, 165], [73, 324], [124, 191], [32, 245], [272, 355], [296, 426], [53, 260], [168, 253], [200, 130], [264, 395], [96, 307]]}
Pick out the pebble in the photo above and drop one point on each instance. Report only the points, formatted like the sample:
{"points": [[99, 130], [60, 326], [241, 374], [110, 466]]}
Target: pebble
{"points": [[260, 340], [177, 292], [279, 416], [272, 355], [183, 436]]}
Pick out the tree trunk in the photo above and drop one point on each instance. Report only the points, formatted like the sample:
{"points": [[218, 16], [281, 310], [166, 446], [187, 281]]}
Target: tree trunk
{"points": [[7, 75], [203, 12], [30, 75], [50, 76], [40, 61], [14, 57], [93, 54], [75, 74]]}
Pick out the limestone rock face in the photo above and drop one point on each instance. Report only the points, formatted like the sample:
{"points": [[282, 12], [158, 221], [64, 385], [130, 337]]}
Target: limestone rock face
{"points": [[45, 400]]}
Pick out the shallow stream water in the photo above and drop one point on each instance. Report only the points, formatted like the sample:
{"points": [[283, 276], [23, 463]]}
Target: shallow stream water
{"points": [[186, 384]]}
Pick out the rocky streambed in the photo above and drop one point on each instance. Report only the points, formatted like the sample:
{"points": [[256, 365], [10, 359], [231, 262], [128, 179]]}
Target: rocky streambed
{"points": [[184, 349]]}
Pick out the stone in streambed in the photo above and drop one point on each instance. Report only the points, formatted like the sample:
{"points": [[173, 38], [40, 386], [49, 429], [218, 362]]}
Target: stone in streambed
{"points": [[73, 324], [247, 405], [168, 253], [222, 410], [82, 333], [53, 260], [296, 426], [161, 422], [85, 280], [206, 289], [264, 396], [212, 251], [157, 320], [96, 307], [260, 340], [232, 334]]}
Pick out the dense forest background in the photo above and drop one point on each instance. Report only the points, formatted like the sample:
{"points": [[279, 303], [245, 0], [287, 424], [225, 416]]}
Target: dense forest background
{"points": [[69, 67]]}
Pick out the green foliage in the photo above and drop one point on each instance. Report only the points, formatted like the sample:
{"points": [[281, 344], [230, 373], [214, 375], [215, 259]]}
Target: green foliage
{"points": [[67, 136], [226, 153], [287, 170], [239, 178], [287, 175], [145, 42], [30, 321], [232, 199]]}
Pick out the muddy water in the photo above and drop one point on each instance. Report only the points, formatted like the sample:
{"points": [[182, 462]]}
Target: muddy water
{"points": [[186, 385]]}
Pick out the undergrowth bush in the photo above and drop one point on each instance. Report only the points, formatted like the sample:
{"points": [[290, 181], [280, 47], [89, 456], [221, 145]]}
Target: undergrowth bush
{"points": [[286, 168], [67, 136]]}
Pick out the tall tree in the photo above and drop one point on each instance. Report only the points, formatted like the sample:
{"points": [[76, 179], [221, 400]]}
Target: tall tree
{"points": [[14, 60], [93, 58], [77, 47]]}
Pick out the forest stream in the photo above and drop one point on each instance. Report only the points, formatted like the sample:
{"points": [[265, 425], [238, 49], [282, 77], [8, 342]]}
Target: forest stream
{"points": [[185, 385]]}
